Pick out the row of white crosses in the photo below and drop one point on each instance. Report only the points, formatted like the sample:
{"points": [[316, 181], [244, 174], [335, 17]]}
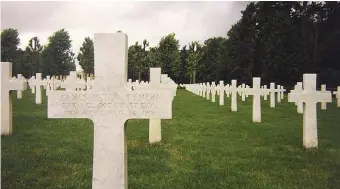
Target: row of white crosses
{"points": [[205, 90], [109, 104]]}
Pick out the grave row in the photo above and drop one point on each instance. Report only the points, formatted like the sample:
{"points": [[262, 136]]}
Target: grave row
{"points": [[304, 95], [109, 100]]}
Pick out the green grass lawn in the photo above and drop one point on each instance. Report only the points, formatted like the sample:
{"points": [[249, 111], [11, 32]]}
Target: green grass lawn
{"points": [[204, 146]]}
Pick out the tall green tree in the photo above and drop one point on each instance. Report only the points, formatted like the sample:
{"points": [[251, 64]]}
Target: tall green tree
{"points": [[194, 57], [86, 56], [168, 51], [57, 56], [182, 76], [32, 57], [9, 49], [211, 64]]}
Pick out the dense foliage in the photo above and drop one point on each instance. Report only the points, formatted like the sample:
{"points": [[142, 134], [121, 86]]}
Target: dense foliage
{"points": [[277, 41]]}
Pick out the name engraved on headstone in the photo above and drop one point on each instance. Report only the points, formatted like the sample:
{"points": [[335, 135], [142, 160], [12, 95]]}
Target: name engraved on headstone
{"points": [[122, 104]]}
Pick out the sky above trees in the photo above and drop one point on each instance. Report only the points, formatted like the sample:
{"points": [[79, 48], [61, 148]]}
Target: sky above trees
{"points": [[140, 20]]}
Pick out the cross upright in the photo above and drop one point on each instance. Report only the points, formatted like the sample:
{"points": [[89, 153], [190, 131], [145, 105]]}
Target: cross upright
{"points": [[109, 105], [155, 128], [337, 95], [323, 104], [37, 83], [298, 89], [6, 85], [278, 91], [256, 91], [233, 90], [30, 84], [204, 89], [19, 92], [226, 89], [310, 97], [221, 89], [72, 83], [213, 91], [265, 92], [208, 91], [282, 92], [272, 91]]}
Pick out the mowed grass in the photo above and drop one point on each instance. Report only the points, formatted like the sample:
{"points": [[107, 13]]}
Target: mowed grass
{"points": [[204, 146]]}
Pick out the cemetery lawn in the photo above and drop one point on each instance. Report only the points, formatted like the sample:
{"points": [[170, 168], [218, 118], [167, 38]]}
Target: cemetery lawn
{"points": [[204, 146]]}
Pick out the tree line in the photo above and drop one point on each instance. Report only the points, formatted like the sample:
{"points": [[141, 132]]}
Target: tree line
{"points": [[277, 41]]}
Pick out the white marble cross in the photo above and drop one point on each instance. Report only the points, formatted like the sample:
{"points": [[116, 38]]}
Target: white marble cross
{"points": [[204, 89], [233, 90], [155, 132], [213, 91], [337, 95], [37, 83], [226, 89], [256, 91], [310, 97], [243, 92], [298, 89], [208, 91], [6, 85], [19, 92], [272, 91], [265, 92], [278, 91], [109, 105], [323, 104], [221, 89], [72, 83], [30, 84], [282, 92]]}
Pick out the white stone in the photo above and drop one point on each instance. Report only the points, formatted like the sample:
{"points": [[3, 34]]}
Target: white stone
{"points": [[221, 89], [109, 105], [30, 84], [265, 94], [323, 104], [337, 95], [72, 83], [213, 91], [155, 132], [310, 97], [38, 83], [233, 90], [256, 91], [6, 85], [243, 92], [282, 92], [272, 91], [19, 92], [298, 89], [204, 88], [208, 91], [278, 91]]}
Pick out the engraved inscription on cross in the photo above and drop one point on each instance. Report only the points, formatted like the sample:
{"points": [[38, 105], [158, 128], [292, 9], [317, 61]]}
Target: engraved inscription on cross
{"points": [[309, 96], [109, 105]]}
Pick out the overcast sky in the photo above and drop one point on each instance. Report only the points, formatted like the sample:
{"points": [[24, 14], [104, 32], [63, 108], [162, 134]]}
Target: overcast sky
{"points": [[139, 20]]}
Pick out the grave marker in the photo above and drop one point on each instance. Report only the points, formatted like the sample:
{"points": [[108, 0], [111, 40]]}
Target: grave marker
{"points": [[309, 96], [323, 104], [221, 89], [6, 85], [256, 91], [109, 105], [337, 95]]}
